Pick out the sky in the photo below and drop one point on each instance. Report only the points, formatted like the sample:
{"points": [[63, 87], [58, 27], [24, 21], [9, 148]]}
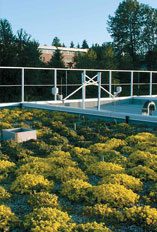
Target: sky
{"points": [[70, 20]]}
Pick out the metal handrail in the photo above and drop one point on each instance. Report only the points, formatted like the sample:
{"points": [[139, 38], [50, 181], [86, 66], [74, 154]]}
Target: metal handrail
{"points": [[55, 84], [76, 69]]}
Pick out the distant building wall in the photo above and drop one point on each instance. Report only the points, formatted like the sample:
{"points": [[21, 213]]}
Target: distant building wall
{"points": [[67, 53]]}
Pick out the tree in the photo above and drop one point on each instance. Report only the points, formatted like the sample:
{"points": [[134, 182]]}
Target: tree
{"points": [[85, 44], [133, 29], [17, 50], [56, 60], [56, 42], [151, 59], [7, 44], [125, 28], [71, 44], [87, 60], [149, 25], [106, 57], [26, 50]]}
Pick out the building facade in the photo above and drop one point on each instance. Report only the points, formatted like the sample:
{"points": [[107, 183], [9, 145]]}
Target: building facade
{"points": [[67, 53]]}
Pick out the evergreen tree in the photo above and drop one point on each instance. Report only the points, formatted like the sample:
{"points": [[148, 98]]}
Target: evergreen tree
{"points": [[71, 44], [56, 60], [26, 50], [16, 50], [56, 42], [106, 58], [85, 44], [7, 44], [87, 60]]}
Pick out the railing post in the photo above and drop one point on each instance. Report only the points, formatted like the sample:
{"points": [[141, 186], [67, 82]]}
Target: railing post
{"points": [[99, 88], [55, 83], [150, 84], [110, 83], [131, 84], [83, 89], [66, 82], [23, 85]]}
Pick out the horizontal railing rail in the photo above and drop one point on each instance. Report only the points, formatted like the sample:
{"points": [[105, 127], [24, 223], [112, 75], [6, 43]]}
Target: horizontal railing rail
{"points": [[131, 82]]}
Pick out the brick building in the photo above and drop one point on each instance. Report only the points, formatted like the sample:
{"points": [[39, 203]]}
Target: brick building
{"points": [[67, 53]]}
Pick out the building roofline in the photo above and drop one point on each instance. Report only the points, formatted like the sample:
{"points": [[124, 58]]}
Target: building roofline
{"points": [[44, 47]]}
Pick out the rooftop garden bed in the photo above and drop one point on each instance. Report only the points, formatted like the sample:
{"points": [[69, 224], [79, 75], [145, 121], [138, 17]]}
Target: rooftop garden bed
{"points": [[79, 175]]}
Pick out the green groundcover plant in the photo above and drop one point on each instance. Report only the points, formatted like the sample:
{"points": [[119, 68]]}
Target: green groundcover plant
{"points": [[81, 174]]}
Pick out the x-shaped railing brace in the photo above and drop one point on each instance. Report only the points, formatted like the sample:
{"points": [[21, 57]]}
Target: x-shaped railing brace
{"points": [[89, 82]]}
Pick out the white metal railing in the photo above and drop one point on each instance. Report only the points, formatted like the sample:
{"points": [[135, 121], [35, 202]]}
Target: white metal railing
{"points": [[84, 82]]}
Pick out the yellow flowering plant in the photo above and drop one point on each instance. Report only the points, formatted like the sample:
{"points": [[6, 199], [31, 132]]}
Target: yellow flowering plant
{"points": [[115, 195], [29, 183]]}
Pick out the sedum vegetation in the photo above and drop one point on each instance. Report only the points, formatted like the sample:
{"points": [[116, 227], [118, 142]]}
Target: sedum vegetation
{"points": [[80, 175]]}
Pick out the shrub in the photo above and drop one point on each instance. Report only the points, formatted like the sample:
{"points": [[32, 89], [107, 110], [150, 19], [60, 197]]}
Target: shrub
{"points": [[31, 182], [152, 164], [109, 145], [104, 213], [104, 168], [152, 149], [100, 210], [81, 151], [59, 162], [123, 128], [113, 157], [143, 215], [43, 199], [8, 219], [115, 194], [31, 159], [128, 181], [38, 167], [76, 189], [48, 220], [3, 193], [57, 139], [143, 172], [127, 150], [141, 158], [6, 166], [141, 137], [14, 150], [3, 156], [61, 154], [105, 152], [67, 173], [153, 193], [5, 125], [92, 227], [49, 167], [83, 157], [2, 177]]}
